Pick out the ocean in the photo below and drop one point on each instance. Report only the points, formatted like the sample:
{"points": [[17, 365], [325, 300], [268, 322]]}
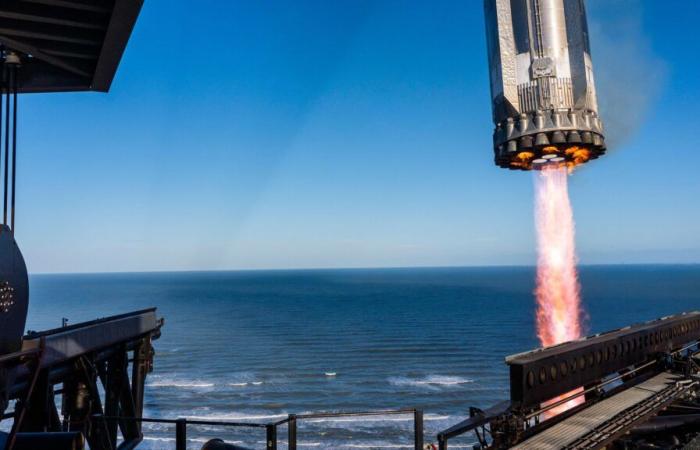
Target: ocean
{"points": [[258, 345]]}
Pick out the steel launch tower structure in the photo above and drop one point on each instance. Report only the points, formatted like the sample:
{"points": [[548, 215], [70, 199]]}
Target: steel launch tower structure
{"points": [[543, 92]]}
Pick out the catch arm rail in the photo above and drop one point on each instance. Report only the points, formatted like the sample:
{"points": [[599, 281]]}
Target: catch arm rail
{"points": [[546, 373], [544, 379]]}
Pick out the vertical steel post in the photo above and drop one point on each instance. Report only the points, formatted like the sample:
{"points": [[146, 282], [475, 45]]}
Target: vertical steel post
{"points": [[418, 429], [181, 434], [2, 93], [112, 374], [139, 370], [292, 432], [442, 442], [7, 149], [271, 437], [14, 146]]}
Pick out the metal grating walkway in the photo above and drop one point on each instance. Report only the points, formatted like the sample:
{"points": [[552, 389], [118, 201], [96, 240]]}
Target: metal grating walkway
{"points": [[594, 426]]}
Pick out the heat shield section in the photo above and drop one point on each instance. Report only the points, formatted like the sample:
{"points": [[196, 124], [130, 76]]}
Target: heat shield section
{"points": [[543, 93]]}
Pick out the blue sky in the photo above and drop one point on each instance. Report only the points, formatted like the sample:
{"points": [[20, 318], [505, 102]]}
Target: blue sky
{"points": [[247, 134]]}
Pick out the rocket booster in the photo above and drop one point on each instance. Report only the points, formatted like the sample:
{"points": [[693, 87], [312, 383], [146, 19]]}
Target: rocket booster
{"points": [[543, 94]]}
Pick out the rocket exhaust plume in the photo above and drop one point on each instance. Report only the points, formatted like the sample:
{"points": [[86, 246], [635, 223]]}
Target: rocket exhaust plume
{"points": [[557, 292], [559, 313]]}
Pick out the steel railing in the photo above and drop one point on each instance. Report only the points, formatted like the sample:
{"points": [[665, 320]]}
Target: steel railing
{"points": [[271, 429]]}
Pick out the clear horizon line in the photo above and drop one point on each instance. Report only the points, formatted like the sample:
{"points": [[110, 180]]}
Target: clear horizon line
{"points": [[300, 269]]}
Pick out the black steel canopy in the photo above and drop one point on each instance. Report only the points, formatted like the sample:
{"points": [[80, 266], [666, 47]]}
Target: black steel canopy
{"points": [[67, 45]]}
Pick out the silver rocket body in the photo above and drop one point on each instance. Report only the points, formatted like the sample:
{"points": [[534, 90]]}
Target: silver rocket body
{"points": [[543, 92]]}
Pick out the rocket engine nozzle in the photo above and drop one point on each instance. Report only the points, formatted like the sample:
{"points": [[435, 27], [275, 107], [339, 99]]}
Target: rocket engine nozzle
{"points": [[543, 93]]}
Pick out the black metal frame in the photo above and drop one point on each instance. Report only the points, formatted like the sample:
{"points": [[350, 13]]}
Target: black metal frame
{"points": [[101, 353], [30, 358], [271, 428], [512, 424], [75, 45], [9, 87], [544, 374]]}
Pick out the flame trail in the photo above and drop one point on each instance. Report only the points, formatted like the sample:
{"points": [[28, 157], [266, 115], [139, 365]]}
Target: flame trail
{"points": [[558, 300]]}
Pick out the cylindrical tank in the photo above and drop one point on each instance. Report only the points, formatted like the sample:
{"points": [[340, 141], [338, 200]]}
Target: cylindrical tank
{"points": [[542, 89]]}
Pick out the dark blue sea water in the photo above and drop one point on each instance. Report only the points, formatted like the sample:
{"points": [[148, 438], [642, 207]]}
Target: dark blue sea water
{"points": [[259, 345]]}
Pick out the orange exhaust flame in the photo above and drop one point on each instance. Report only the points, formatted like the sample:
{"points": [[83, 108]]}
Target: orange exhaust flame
{"points": [[558, 303], [525, 156], [557, 291]]}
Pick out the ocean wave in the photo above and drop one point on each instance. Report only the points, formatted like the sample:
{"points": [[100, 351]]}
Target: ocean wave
{"points": [[299, 443], [329, 445], [430, 381], [255, 416], [171, 439], [408, 417], [246, 383], [197, 383], [223, 417], [180, 383]]}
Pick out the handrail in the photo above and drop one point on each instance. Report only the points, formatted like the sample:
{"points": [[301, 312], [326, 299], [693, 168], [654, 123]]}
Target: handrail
{"points": [[271, 428], [418, 432], [19, 355], [176, 421]]}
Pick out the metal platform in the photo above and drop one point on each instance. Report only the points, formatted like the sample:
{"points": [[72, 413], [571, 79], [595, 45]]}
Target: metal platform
{"points": [[593, 427]]}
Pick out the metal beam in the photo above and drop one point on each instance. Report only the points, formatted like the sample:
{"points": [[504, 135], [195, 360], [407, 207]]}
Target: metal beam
{"points": [[25, 32], [95, 433], [65, 54], [111, 373], [37, 53], [80, 38], [546, 373], [94, 6], [63, 344], [33, 17], [120, 25], [139, 370]]}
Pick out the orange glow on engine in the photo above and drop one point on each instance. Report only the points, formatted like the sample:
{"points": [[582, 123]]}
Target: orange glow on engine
{"points": [[581, 155], [525, 156], [557, 291], [571, 150]]}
